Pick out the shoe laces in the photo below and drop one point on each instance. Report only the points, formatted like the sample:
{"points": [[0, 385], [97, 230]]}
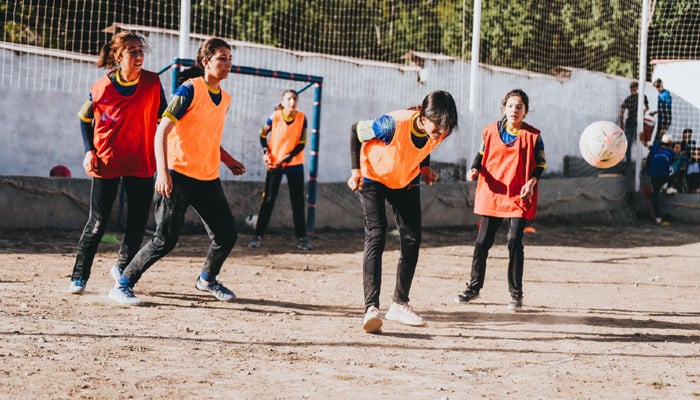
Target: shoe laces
{"points": [[127, 291], [218, 287], [406, 307]]}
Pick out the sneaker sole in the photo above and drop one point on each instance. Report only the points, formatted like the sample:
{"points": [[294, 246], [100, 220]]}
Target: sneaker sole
{"points": [[393, 318], [459, 300], [76, 291], [513, 308], [228, 299], [373, 325]]}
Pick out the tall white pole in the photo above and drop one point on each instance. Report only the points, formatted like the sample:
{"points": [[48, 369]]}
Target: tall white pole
{"points": [[476, 39], [473, 80], [184, 44], [641, 92]]}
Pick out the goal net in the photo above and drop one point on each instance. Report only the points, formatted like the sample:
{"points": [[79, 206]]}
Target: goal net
{"points": [[574, 59]]}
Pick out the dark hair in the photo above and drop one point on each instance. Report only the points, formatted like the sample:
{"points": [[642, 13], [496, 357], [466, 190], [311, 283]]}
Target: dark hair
{"points": [[206, 51], [439, 107], [517, 93], [634, 85], [658, 83], [107, 58], [687, 130], [189, 73]]}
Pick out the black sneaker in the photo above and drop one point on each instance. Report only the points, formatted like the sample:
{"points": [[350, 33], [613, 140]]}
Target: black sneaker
{"points": [[304, 244], [466, 296], [516, 304]]}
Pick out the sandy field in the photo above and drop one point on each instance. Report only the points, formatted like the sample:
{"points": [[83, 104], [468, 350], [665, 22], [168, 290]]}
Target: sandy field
{"points": [[610, 312]]}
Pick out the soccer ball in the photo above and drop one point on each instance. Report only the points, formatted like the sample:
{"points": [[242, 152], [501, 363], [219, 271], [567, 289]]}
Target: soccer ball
{"points": [[251, 220], [603, 144]]}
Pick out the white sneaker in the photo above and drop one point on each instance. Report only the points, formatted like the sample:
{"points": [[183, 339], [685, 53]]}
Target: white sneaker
{"points": [[216, 288], [372, 323], [116, 273], [77, 286], [403, 313], [515, 305], [124, 295], [255, 242]]}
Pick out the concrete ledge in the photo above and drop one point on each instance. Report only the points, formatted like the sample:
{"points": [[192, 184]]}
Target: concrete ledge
{"points": [[63, 203]]}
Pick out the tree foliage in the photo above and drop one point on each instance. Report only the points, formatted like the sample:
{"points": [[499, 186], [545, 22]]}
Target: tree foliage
{"points": [[537, 36]]}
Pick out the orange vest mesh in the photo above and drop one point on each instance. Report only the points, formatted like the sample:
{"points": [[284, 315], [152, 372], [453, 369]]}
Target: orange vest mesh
{"points": [[504, 171], [125, 127], [395, 164], [283, 138], [194, 144]]}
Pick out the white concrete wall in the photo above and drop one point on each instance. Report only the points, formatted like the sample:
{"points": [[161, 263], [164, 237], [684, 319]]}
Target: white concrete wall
{"points": [[40, 96]]}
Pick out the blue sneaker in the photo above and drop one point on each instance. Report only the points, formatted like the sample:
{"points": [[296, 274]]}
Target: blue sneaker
{"points": [[124, 295], [77, 286], [219, 291]]}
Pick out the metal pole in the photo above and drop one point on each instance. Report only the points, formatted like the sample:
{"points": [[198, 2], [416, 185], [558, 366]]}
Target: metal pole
{"points": [[184, 44], [641, 93], [476, 39], [313, 160]]}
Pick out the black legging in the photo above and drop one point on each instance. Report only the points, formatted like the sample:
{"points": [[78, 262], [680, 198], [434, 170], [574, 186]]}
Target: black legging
{"points": [[207, 198], [488, 226], [405, 204], [295, 184], [139, 197]]}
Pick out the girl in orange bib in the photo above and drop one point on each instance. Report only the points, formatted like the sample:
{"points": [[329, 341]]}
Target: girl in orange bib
{"points": [[188, 153], [283, 139], [508, 167], [389, 155], [118, 124]]}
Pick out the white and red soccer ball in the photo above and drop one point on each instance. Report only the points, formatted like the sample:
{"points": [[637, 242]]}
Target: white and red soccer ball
{"points": [[603, 144]]}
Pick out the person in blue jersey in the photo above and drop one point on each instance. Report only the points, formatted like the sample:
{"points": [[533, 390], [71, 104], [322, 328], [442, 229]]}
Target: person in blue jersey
{"points": [[389, 156], [118, 124], [659, 164], [664, 106]]}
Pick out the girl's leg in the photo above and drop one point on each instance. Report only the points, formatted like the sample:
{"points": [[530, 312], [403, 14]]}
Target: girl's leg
{"points": [[295, 183], [170, 217], [488, 226], [139, 197], [516, 257], [210, 203], [102, 195], [372, 197], [407, 212], [267, 203]]}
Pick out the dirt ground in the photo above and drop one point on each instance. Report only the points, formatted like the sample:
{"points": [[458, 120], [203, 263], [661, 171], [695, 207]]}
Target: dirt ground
{"points": [[611, 312]]}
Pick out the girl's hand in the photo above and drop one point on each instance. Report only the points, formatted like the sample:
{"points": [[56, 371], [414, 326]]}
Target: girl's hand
{"points": [[429, 175], [236, 167], [528, 189], [355, 182], [164, 184], [473, 174], [90, 162]]}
